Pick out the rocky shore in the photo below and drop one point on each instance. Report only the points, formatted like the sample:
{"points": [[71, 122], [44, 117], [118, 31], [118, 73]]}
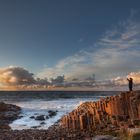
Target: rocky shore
{"points": [[8, 113], [112, 118]]}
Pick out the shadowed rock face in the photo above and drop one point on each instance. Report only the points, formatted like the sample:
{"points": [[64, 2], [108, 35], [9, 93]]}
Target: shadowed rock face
{"points": [[8, 113], [107, 114]]}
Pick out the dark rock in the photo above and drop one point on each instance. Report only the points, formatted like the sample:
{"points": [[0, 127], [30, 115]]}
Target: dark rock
{"points": [[19, 117], [8, 113], [42, 123], [52, 113], [35, 127], [3, 107], [5, 126], [32, 117], [40, 118], [120, 118], [136, 122], [131, 126]]}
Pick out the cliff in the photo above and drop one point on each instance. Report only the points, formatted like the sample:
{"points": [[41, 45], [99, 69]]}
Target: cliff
{"points": [[109, 114]]}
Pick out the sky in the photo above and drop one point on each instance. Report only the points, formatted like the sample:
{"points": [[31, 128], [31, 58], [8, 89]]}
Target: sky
{"points": [[69, 44]]}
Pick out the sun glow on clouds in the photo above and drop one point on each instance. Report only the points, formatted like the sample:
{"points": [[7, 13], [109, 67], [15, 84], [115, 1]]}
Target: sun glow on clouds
{"points": [[17, 78]]}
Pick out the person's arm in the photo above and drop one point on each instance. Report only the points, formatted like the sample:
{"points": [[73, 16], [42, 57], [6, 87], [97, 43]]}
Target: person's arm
{"points": [[128, 79]]}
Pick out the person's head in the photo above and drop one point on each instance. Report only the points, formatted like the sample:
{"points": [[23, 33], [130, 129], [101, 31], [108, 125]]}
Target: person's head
{"points": [[131, 78]]}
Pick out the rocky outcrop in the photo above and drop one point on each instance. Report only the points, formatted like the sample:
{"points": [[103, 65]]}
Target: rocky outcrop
{"points": [[8, 113], [106, 115], [40, 118], [52, 113]]}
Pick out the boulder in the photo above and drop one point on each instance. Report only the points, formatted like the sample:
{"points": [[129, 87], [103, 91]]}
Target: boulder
{"points": [[8, 113], [32, 117], [40, 118], [5, 126], [52, 113], [3, 107], [42, 123]]}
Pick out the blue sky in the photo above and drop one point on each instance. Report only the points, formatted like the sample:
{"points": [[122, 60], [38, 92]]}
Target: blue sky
{"points": [[76, 38]]}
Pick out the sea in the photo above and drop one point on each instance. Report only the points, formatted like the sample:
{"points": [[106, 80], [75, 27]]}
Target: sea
{"points": [[36, 103]]}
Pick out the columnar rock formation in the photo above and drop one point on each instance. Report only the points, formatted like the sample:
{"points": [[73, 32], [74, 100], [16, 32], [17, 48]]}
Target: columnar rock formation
{"points": [[111, 113]]}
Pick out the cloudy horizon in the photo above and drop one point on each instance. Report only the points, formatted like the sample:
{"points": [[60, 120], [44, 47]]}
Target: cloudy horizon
{"points": [[18, 78], [49, 46]]}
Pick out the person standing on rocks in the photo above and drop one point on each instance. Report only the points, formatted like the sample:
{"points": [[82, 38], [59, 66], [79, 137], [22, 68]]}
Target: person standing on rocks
{"points": [[130, 80]]}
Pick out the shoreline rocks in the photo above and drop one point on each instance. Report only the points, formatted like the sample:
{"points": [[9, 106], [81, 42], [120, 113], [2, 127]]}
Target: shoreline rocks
{"points": [[8, 113], [104, 119], [52, 113], [40, 117]]}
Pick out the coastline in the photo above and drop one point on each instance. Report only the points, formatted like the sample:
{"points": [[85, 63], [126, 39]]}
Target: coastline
{"points": [[114, 115]]}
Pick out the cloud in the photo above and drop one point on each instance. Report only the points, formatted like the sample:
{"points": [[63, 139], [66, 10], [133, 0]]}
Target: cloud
{"points": [[42, 82], [20, 78], [121, 81], [12, 76], [58, 81], [117, 83], [135, 76], [115, 53]]}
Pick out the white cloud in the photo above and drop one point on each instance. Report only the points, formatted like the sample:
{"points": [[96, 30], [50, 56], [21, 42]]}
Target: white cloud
{"points": [[118, 53]]}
